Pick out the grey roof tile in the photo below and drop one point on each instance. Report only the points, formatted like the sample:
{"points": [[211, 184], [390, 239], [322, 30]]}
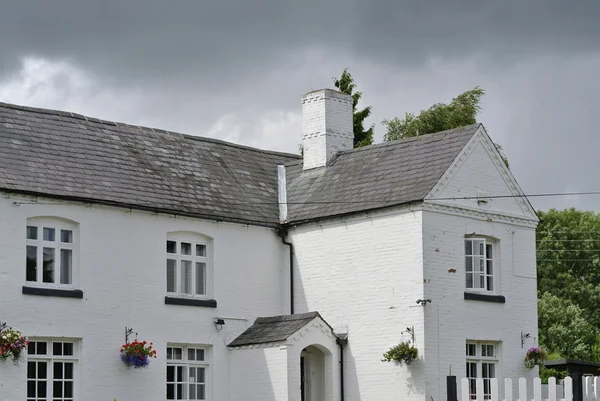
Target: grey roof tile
{"points": [[373, 177], [68, 155], [273, 329]]}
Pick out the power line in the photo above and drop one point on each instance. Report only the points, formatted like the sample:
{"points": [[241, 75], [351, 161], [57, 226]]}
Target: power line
{"points": [[520, 196]]}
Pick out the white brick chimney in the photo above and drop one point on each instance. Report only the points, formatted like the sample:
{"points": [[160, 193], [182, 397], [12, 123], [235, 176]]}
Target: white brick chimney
{"points": [[326, 126]]}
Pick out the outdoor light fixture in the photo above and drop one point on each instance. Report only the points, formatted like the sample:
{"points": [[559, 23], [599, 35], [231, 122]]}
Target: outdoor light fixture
{"points": [[524, 336], [219, 323], [423, 301]]}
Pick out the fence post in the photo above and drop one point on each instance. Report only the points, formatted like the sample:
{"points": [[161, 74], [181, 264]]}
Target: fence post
{"points": [[451, 389], [577, 386]]}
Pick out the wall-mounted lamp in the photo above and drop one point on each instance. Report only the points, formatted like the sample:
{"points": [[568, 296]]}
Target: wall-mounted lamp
{"points": [[219, 323], [423, 302], [524, 336]]}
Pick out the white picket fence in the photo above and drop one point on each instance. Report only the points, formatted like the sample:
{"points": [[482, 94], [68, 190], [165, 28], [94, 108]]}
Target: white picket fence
{"points": [[591, 390]]}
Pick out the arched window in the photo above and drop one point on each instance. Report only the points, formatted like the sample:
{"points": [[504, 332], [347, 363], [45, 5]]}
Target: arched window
{"points": [[189, 264], [51, 246]]}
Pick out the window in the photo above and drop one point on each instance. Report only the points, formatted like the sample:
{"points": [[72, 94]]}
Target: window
{"points": [[481, 363], [479, 264], [188, 265], [186, 373], [50, 252], [51, 370]]}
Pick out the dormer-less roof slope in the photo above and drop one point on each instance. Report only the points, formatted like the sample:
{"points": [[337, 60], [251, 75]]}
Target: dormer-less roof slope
{"points": [[373, 177], [47, 152]]}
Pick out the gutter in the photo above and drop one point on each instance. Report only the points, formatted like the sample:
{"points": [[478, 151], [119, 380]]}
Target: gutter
{"points": [[342, 341], [283, 234]]}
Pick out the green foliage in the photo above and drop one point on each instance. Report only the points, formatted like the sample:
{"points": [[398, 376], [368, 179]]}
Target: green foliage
{"points": [[546, 373], [461, 111], [401, 353], [563, 329], [568, 254], [346, 85]]}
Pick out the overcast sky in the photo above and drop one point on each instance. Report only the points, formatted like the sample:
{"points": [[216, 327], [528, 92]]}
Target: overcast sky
{"points": [[236, 70]]}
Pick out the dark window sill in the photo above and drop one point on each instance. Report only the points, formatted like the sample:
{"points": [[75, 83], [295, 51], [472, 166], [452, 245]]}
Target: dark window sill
{"points": [[206, 303], [52, 292], [473, 296]]}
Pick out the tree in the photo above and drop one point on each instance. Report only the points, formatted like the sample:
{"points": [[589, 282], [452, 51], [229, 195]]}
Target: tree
{"points": [[461, 111], [568, 259], [346, 85], [563, 329]]}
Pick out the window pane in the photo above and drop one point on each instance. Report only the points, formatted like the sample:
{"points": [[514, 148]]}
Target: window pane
{"points": [[170, 391], [490, 267], [31, 370], [31, 271], [171, 247], [181, 374], [66, 236], [481, 248], [186, 248], [66, 266], [469, 264], [469, 280], [177, 353], [48, 270], [468, 247], [481, 281], [200, 278], [192, 390], [68, 349], [186, 276], [200, 250], [200, 375], [68, 370], [471, 350], [492, 370], [41, 370], [191, 355], [48, 234], [69, 389], [31, 348], [57, 389], [32, 232], [170, 373], [57, 349], [200, 392], [488, 249], [476, 280], [169, 353], [181, 391], [41, 389], [199, 354], [490, 283], [171, 275], [482, 265], [30, 388], [41, 348]]}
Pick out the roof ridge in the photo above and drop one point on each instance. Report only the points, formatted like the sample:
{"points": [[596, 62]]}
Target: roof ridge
{"points": [[410, 139], [142, 128]]}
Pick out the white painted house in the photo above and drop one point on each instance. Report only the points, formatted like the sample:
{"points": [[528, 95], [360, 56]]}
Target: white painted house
{"points": [[258, 275]]}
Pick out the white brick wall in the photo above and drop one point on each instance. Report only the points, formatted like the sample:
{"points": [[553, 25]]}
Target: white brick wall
{"points": [[363, 275], [326, 126], [122, 262], [259, 374], [450, 319]]}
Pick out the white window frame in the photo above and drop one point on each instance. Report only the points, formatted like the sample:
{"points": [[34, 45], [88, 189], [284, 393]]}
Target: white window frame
{"points": [[489, 264], [479, 360], [195, 239], [57, 224], [50, 359], [186, 364]]}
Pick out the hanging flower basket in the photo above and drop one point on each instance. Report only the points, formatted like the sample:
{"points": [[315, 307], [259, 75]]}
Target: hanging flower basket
{"points": [[137, 354], [401, 353], [535, 356], [12, 344]]}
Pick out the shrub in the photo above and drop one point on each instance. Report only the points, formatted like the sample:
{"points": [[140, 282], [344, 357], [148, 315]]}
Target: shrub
{"points": [[401, 353]]}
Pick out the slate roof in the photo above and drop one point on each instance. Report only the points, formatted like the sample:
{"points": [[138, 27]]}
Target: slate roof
{"points": [[273, 329], [375, 176], [68, 155]]}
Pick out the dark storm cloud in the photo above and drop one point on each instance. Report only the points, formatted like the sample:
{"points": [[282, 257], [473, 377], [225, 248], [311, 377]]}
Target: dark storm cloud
{"points": [[209, 40]]}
